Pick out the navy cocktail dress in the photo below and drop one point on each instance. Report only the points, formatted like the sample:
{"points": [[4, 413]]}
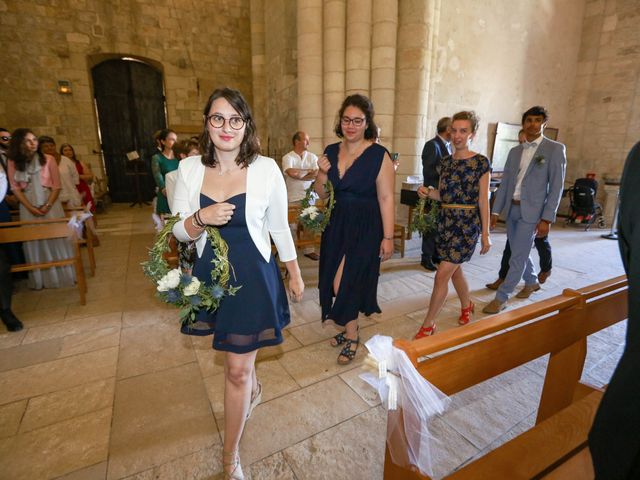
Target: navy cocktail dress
{"points": [[355, 234], [255, 316], [459, 229]]}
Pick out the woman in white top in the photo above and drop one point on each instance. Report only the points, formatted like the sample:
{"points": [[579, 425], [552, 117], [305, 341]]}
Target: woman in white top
{"points": [[69, 178], [242, 193]]}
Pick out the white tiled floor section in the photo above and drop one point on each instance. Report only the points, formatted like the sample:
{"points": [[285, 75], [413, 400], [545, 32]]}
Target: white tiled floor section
{"points": [[111, 389]]}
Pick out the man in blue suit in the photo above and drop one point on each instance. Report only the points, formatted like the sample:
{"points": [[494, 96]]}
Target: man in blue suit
{"points": [[528, 197], [433, 151]]}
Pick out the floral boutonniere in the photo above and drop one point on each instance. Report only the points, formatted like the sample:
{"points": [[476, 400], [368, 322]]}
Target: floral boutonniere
{"points": [[539, 159]]}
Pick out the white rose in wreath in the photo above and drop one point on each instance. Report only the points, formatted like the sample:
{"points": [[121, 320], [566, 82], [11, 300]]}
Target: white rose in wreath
{"points": [[170, 280], [192, 288], [311, 212]]}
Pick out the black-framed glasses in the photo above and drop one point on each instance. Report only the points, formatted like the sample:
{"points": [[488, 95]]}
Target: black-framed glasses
{"points": [[5, 139], [357, 121], [217, 121]]}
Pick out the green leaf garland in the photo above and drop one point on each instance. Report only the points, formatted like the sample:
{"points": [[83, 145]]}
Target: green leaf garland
{"points": [[182, 289]]}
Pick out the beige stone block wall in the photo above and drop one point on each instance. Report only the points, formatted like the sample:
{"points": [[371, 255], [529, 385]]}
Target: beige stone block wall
{"points": [[501, 58], [44, 42], [605, 105], [281, 77]]}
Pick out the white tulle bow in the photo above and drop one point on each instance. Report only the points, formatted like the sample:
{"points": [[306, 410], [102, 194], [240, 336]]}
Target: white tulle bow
{"points": [[76, 222], [400, 385]]}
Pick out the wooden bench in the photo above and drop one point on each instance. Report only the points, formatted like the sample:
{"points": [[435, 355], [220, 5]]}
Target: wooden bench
{"points": [[88, 242], [46, 230], [460, 358]]}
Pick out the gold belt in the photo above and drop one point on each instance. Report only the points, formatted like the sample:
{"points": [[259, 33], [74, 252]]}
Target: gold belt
{"points": [[461, 206]]}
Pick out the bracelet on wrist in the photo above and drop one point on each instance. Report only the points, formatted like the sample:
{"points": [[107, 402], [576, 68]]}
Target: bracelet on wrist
{"points": [[199, 221], [388, 238], [193, 222]]}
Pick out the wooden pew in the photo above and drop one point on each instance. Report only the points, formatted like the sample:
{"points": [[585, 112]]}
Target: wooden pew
{"points": [[460, 358], [88, 242], [46, 230]]}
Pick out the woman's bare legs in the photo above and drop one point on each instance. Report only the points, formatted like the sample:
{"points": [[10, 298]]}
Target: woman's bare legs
{"points": [[239, 372], [440, 289], [351, 328], [462, 287]]}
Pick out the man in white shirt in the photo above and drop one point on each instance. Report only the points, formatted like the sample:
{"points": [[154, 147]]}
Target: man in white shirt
{"points": [[528, 196], [300, 168]]}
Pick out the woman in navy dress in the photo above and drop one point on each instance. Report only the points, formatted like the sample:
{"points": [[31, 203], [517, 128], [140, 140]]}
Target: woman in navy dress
{"points": [[242, 193], [360, 232], [464, 216]]}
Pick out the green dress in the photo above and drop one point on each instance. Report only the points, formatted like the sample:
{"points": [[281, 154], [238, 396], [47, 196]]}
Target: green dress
{"points": [[160, 166]]}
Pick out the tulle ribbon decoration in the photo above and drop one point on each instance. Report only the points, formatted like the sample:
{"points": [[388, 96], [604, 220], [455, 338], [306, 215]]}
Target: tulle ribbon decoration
{"points": [[76, 222], [400, 385]]}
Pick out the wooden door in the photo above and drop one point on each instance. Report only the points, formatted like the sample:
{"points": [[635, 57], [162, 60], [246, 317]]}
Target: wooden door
{"points": [[130, 103]]}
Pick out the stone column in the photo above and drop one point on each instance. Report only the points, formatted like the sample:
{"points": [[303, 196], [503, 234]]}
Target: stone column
{"points": [[416, 40], [383, 65], [258, 68], [310, 76], [358, 55], [334, 21], [610, 202]]}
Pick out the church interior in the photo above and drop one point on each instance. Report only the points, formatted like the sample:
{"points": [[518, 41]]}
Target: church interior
{"points": [[108, 388]]}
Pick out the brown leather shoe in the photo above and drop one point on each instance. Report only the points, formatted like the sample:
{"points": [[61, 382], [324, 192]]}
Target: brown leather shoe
{"points": [[496, 284], [494, 306], [528, 290], [542, 276]]}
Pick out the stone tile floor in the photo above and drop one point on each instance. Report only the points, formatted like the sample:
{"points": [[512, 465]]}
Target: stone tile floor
{"points": [[111, 390]]}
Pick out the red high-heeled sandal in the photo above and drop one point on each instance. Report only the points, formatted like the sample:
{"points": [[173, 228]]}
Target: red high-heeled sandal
{"points": [[465, 313], [425, 332]]}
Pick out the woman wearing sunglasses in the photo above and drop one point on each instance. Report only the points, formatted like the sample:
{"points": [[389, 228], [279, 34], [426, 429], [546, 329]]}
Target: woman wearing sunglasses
{"points": [[360, 232]]}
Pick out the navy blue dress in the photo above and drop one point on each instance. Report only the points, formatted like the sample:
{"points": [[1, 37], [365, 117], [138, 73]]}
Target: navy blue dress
{"points": [[255, 316], [459, 229], [354, 233]]}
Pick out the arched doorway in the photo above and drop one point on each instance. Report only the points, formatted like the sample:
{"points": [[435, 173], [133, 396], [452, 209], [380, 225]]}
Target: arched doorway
{"points": [[130, 104]]}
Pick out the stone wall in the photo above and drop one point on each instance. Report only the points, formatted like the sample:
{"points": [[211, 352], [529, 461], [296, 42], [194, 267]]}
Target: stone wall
{"points": [[605, 106], [501, 57], [281, 77], [197, 45]]}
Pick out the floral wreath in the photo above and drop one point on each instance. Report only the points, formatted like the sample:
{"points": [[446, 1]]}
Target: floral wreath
{"points": [[182, 289], [311, 217], [422, 222]]}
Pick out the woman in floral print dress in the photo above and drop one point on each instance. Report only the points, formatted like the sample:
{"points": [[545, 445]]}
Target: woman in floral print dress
{"points": [[464, 216]]}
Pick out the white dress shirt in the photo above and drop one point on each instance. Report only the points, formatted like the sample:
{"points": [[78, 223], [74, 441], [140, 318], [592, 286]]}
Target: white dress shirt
{"points": [[4, 185], [528, 152], [296, 187]]}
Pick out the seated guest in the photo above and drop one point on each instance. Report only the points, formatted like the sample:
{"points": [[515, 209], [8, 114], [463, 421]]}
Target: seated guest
{"points": [[84, 172], [35, 181], [6, 288], [69, 178], [300, 168]]}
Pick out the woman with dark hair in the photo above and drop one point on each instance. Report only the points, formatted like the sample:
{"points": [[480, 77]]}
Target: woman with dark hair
{"points": [[35, 181], [85, 174], [231, 186], [463, 217], [163, 162], [69, 178], [360, 233]]}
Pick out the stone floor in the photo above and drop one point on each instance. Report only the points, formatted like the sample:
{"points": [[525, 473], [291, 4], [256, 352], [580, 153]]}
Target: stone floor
{"points": [[111, 390]]}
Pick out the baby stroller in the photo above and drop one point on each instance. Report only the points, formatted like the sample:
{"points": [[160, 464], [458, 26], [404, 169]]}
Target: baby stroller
{"points": [[584, 208]]}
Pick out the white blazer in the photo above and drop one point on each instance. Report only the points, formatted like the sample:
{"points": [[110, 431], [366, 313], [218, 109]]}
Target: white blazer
{"points": [[170, 185], [265, 212]]}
